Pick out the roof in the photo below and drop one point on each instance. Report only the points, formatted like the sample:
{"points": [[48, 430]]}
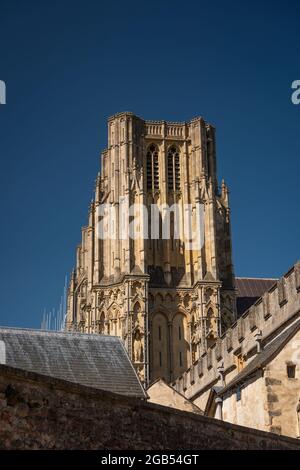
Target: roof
{"points": [[264, 357], [252, 286], [93, 360], [249, 290]]}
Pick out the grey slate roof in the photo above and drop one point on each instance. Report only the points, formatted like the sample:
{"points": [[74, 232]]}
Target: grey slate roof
{"points": [[88, 359], [264, 357], [249, 290]]}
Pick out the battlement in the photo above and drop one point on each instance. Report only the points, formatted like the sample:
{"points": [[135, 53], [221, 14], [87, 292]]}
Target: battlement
{"points": [[163, 129], [277, 307]]}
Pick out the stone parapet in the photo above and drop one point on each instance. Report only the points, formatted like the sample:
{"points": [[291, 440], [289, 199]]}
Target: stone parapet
{"points": [[269, 315]]}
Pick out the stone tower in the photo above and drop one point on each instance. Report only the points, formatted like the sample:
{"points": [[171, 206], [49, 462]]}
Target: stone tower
{"points": [[167, 299]]}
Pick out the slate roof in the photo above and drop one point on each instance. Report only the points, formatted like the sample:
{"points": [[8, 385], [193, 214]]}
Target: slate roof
{"points": [[93, 360], [264, 357], [249, 290]]}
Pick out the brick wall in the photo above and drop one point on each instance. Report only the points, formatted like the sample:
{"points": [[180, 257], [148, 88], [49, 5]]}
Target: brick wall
{"points": [[39, 412]]}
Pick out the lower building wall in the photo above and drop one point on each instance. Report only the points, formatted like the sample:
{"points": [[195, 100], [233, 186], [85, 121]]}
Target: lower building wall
{"points": [[39, 412], [246, 406], [283, 393], [270, 400]]}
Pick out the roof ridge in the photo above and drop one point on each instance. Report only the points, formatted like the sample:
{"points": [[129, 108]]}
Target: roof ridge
{"points": [[55, 332]]}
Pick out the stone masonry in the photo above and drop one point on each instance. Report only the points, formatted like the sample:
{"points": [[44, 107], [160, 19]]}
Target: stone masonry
{"points": [[39, 412]]}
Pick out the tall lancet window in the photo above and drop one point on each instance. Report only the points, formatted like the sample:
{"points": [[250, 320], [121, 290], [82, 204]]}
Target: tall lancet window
{"points": [[152, 168], [173, 169]]}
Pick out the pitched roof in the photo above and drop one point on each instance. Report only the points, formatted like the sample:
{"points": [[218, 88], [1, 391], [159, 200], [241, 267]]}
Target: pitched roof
{"points": [[88, 359], [264, 357], [249, 290], [252, 286]]}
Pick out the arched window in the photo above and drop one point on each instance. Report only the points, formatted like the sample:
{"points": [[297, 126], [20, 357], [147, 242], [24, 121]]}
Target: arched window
{"points": [[152, 168], [181, 346], [173, 169], [160, 348]]}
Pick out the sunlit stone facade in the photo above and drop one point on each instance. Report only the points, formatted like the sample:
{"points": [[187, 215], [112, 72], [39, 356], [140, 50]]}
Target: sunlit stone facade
{"points": [[167, 302]]}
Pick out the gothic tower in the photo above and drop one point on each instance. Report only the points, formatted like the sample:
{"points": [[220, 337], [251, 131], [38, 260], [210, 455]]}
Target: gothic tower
{"points": [[165, 296]]}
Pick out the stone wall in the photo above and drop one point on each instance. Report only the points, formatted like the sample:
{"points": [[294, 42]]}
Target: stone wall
{"points": [[280, 305], [282, 392], [39, 412], [269, 400], [249, 408]]}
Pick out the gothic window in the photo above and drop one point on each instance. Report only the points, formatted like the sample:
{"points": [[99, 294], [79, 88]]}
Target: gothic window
{"points": [[152, 168], [160, 347], [181, 345], [173, 169]]}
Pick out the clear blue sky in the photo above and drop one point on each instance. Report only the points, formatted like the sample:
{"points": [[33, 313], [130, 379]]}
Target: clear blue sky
{"points": [[68, 65]]}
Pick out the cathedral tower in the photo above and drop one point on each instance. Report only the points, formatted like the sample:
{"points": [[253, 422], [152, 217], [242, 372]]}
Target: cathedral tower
{"points": [[167, 297]]}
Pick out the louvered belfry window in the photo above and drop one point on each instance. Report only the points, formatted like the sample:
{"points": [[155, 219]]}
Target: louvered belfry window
{"points": [[152, 168], [173, 169]]}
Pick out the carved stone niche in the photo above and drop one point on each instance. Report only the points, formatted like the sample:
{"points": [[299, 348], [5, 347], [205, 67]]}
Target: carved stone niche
{"points": [[281, 292], [252, 318]]}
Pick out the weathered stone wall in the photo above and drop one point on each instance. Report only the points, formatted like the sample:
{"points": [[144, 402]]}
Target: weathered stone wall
{"points": [[39, 412], [269, 400], [251, 409], [282, 392], [269, 314]]}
